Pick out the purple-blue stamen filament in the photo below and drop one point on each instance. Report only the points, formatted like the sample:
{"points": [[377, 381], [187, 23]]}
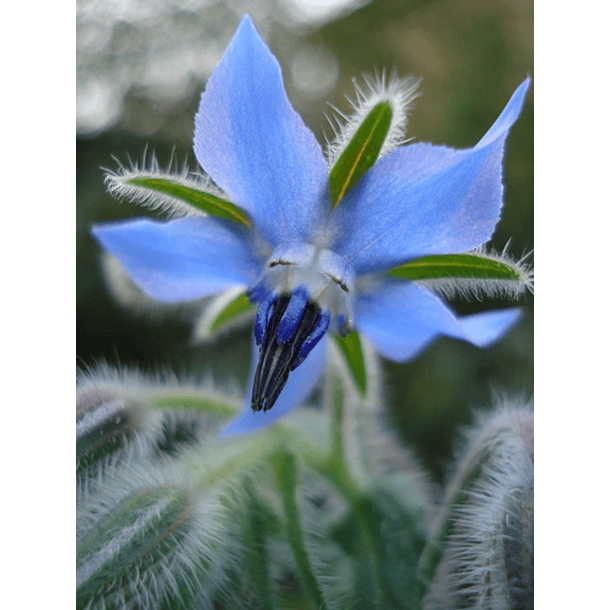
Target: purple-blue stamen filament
{"points": [[292, 315], [262, 316]]}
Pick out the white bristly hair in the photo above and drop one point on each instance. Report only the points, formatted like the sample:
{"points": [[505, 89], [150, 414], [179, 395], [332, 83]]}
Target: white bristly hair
{"points": [[398, 92], [477, 288], [117, 183]]}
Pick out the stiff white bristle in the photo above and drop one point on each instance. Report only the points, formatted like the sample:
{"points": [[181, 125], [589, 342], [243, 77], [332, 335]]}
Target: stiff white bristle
{"points": [[117, 183], [399, 92], [488, 557], [479, 289]]}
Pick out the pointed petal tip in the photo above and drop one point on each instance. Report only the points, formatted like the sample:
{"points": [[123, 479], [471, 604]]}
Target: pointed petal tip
{"points": [[486, 328], [508, 116], [518, 96], [245, 19], [246, 26], [255, 147]]}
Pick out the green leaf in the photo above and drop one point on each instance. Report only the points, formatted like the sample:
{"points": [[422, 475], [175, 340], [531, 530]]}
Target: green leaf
{"points": [[206, 202], [361, 152], [451, 266], [351, 348]]}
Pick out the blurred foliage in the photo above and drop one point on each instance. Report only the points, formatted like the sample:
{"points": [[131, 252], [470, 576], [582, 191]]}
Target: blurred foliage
{"points": [[471, 55]]}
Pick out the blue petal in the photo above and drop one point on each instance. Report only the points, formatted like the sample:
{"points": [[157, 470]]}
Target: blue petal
{"points": [[253, 144], [180, 260], [401, 319], [299, 386], [425, 199], [483, 329]]}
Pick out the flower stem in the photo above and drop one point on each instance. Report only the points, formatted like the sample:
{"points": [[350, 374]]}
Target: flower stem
{"points": [[285, 472]]}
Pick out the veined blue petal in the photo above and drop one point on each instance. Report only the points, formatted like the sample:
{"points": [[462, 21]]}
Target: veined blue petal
{"points": [[253, 144], [400, 319], [299, 386], [180, 260], [424, 199]]}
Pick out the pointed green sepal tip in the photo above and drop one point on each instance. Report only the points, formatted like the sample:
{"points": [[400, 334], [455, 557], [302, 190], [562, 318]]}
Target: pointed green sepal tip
{"points": [[206, 202], [481, 274], [226, 311], [351, 349], [361, 152], [235, 309]]}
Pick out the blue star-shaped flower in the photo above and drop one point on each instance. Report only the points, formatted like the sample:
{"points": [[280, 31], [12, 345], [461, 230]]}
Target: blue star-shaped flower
{"points": [[316, 261]]}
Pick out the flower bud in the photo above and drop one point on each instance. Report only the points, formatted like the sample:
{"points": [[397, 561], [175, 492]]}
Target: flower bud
{"points": [[145, 541], [108, 414], [487, 521]]}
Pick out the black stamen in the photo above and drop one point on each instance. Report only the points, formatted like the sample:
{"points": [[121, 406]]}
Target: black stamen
{"points": [[276, 361]]}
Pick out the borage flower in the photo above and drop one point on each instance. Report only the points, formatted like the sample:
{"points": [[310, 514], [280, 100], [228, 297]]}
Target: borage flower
{"points": [[359, 239]]}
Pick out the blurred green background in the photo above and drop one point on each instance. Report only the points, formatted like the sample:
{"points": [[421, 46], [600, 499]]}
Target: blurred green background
{"points": [[141, 67]]}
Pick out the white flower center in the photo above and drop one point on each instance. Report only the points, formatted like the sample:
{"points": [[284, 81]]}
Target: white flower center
{"points": [[327, 278], [303, 292]]}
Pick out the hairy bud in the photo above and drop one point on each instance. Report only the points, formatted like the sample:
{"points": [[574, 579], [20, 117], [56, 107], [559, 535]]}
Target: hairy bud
{"points": [[487, 521]]}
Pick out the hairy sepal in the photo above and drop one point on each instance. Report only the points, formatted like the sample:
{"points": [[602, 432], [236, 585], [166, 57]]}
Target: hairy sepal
{"points": [[143, 528], [399, 93], [148, 538], [163, 390], [352, 352], [474, 274], [361, 152], [177, 194]]}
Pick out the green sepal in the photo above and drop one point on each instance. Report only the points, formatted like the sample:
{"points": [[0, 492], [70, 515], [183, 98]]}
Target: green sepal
{"points": [[351, 348], [145, 528], [206, 202], [361, 152], [223, 312], [457, 266], [236, 308]]}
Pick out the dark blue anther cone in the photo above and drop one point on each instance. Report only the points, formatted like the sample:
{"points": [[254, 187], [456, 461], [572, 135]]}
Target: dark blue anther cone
{"points": [[294, 325]]}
